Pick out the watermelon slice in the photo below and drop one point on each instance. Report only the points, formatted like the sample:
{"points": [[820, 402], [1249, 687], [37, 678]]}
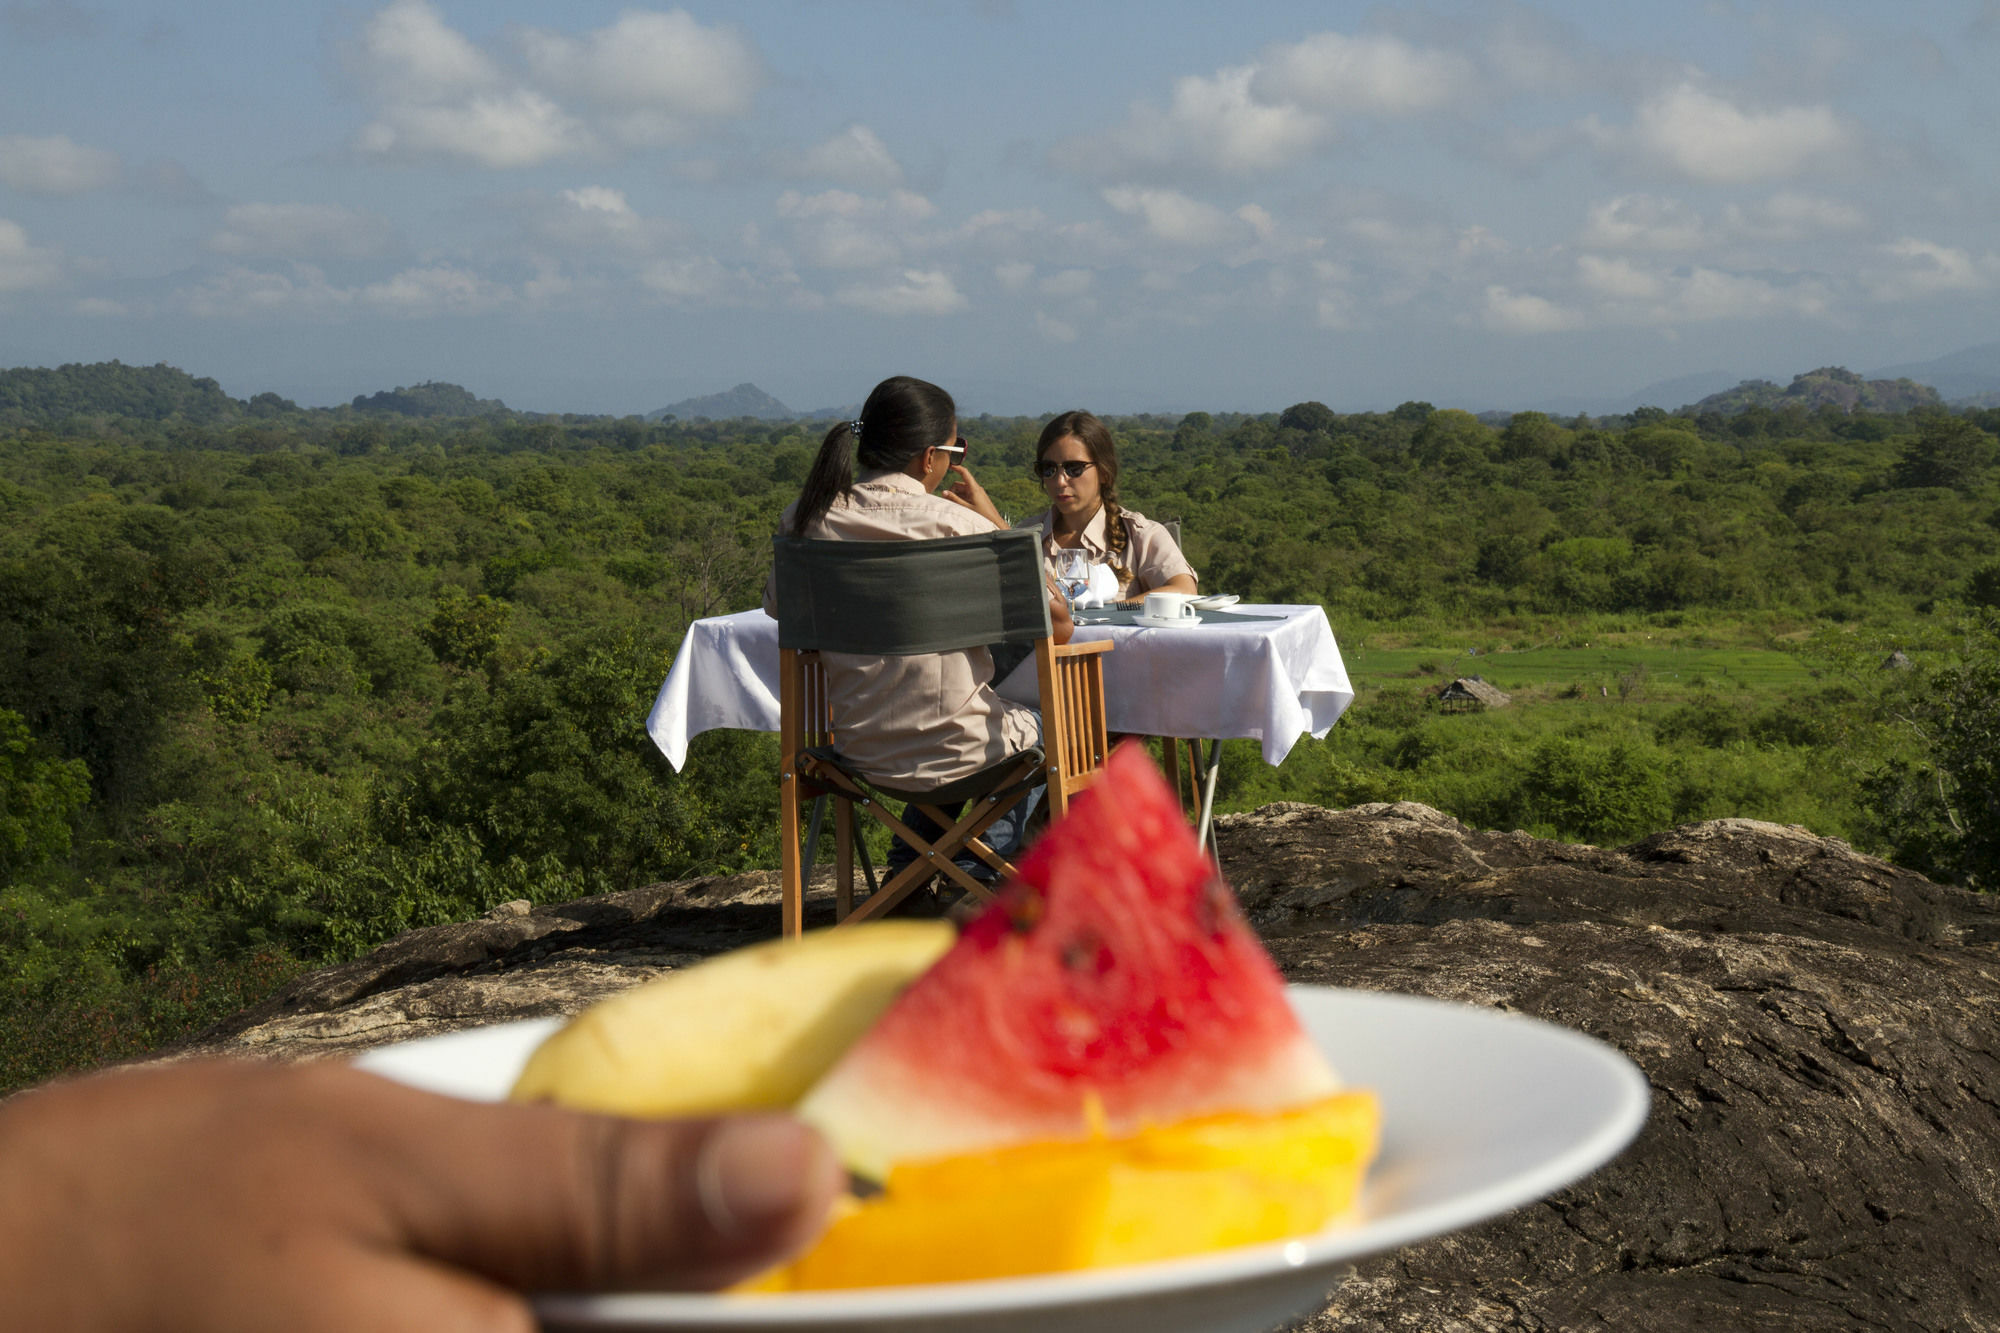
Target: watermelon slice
{"points": [[1112, 986]]}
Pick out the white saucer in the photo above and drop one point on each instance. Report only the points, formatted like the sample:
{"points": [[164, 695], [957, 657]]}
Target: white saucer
{"points": [[1165, 622], [1217, 602]]}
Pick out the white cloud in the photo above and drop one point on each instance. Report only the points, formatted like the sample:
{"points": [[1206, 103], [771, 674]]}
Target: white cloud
{"points": [[1014, 276], [520, 128], [1922, 268], [593, 219], [102, 307], [843, 230], [1708, 139], [1334, 310], [1618, 279], [649, 78], [240, 293], [601, 199], [436, 289], [24, 266], [915, 292], [1643, 222], [1711, 294], [659, 74], [837, 243], [1788, 216], [412, 54], [1625, 291], [1381, 74], [896, 206], [1510, 312], [1269, 113], [687, 281], [54, 165], [1213, 124], [300, 231], [1173, 216], [855, 157]]}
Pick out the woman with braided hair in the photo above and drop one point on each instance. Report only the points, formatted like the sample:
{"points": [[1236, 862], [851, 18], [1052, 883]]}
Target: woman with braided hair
{"points": [[1078, 467]]}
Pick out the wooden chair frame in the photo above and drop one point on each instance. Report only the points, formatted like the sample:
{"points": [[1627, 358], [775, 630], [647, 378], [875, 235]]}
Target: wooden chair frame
{"points": [[811, 778]]}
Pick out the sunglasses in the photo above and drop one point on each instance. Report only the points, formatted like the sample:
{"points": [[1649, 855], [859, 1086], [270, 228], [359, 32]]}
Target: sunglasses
{"points": [[1072, 469], [957, 446]]}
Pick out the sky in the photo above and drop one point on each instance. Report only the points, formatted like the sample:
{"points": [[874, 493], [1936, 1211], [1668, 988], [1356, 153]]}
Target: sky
{"points": [[1167, 206]]}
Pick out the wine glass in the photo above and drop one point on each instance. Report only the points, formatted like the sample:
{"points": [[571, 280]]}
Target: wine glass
{"points": [[1073, 574]]}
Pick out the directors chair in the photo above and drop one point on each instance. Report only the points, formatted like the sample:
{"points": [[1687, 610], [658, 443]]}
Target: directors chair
{"points": [[899, 599]]}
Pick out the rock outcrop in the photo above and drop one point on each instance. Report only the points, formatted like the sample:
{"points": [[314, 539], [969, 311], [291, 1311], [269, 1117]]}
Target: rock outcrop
{"points": [[1821, 1031]]}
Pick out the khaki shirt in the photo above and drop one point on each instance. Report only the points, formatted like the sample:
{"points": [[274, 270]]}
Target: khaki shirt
{"points": [[1150, 554], [912, 721]]}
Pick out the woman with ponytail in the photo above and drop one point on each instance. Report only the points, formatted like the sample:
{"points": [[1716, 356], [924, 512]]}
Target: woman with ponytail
{"points": [[1078, 467], [920, 721]]}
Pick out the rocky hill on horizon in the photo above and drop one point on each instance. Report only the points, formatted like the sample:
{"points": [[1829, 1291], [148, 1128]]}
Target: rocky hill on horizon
{"points": [[745, 400], [1829, 385]]}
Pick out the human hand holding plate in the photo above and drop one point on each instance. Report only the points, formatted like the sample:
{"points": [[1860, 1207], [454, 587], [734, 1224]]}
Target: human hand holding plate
{"points": [[230, 1196]]}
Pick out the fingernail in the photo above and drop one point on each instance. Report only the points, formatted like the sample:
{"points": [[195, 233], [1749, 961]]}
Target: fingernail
{"points": [[756, 1170]]}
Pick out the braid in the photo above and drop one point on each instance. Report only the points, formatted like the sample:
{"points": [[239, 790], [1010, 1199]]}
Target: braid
{"points": [[1117, 539]]}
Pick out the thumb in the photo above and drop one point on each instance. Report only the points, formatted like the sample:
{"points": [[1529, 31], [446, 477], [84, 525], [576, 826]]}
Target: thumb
{"points": [[541, 1198]]}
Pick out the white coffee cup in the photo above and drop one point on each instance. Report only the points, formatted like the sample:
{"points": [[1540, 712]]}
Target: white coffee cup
{"points": [[1170, 606]]}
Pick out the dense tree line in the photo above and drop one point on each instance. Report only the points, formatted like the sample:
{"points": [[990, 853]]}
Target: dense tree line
{"points": [[274, 687]]}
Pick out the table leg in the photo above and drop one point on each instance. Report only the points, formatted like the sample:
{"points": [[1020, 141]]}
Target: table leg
{"points": [[1205, 825]]}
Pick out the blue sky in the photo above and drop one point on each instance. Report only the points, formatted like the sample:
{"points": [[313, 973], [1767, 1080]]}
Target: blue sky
{"points": [[1162, 206]]}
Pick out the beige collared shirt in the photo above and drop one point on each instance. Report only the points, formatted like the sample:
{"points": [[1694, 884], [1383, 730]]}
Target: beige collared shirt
{"points": [[912, 721], [1152, 557]]}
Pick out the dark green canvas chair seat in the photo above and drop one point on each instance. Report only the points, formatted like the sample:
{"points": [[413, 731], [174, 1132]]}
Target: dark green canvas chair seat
{"points": [[898, 599]]}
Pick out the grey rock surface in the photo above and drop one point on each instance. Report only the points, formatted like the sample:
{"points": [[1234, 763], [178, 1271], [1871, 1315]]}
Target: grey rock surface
{"points": [[1820, 1029]]}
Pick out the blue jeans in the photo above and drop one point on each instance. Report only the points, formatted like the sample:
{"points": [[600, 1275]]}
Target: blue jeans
{"points": [[1004, 835]]}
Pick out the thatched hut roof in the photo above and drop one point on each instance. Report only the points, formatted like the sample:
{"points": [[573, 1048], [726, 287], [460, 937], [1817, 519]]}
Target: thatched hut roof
{"points": [[1471, 691]]}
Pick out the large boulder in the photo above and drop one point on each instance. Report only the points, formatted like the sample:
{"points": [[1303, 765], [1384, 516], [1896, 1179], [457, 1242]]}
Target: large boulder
{"points": [[1820, 1030]]}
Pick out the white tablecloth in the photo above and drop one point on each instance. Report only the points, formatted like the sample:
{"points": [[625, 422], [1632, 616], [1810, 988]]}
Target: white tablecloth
{"points": [[1269, 680]]}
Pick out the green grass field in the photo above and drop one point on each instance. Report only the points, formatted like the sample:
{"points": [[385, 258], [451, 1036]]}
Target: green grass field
{"points": [[1620, 670]]}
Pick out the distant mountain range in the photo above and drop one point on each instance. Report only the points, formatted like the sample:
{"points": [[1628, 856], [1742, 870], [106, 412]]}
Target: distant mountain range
{"points": [[45, 397]]}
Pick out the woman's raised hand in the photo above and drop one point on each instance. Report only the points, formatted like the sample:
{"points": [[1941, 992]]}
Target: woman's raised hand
{"points": [[967, 491]]}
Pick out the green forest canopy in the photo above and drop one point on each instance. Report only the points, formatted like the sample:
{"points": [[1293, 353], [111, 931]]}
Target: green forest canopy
{"points": [[278, 684]]}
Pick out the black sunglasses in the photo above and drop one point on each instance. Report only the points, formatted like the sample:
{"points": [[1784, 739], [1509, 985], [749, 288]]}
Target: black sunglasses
{"points": [[1072, 468], [957, 446]]}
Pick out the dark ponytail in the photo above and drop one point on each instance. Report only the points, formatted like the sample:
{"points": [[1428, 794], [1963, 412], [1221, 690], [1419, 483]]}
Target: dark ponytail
{"points": [[1095, 437], [902, 418]]}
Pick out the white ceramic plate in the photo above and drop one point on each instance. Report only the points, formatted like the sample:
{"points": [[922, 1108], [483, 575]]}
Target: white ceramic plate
{"points": [[1482, 1111], [1165, 622], [1217, 602]]}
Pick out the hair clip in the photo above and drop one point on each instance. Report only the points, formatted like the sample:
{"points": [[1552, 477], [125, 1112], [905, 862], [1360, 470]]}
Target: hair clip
{"points": [[855, 427]]}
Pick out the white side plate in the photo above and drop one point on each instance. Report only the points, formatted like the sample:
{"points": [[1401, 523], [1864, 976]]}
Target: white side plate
{"points": [[1482, 1111]]}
